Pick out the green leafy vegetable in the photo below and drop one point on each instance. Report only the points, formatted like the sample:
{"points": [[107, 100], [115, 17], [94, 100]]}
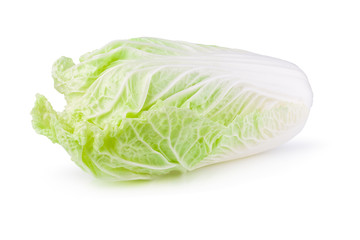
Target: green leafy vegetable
{"points": [[145, 107]]}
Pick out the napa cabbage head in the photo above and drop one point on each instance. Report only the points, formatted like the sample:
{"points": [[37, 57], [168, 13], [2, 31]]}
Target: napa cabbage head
{"points": [[145, 107]]}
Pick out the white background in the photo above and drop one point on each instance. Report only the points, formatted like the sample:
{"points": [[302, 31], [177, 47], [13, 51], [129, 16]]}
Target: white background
{"points": [[306, 189]]}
